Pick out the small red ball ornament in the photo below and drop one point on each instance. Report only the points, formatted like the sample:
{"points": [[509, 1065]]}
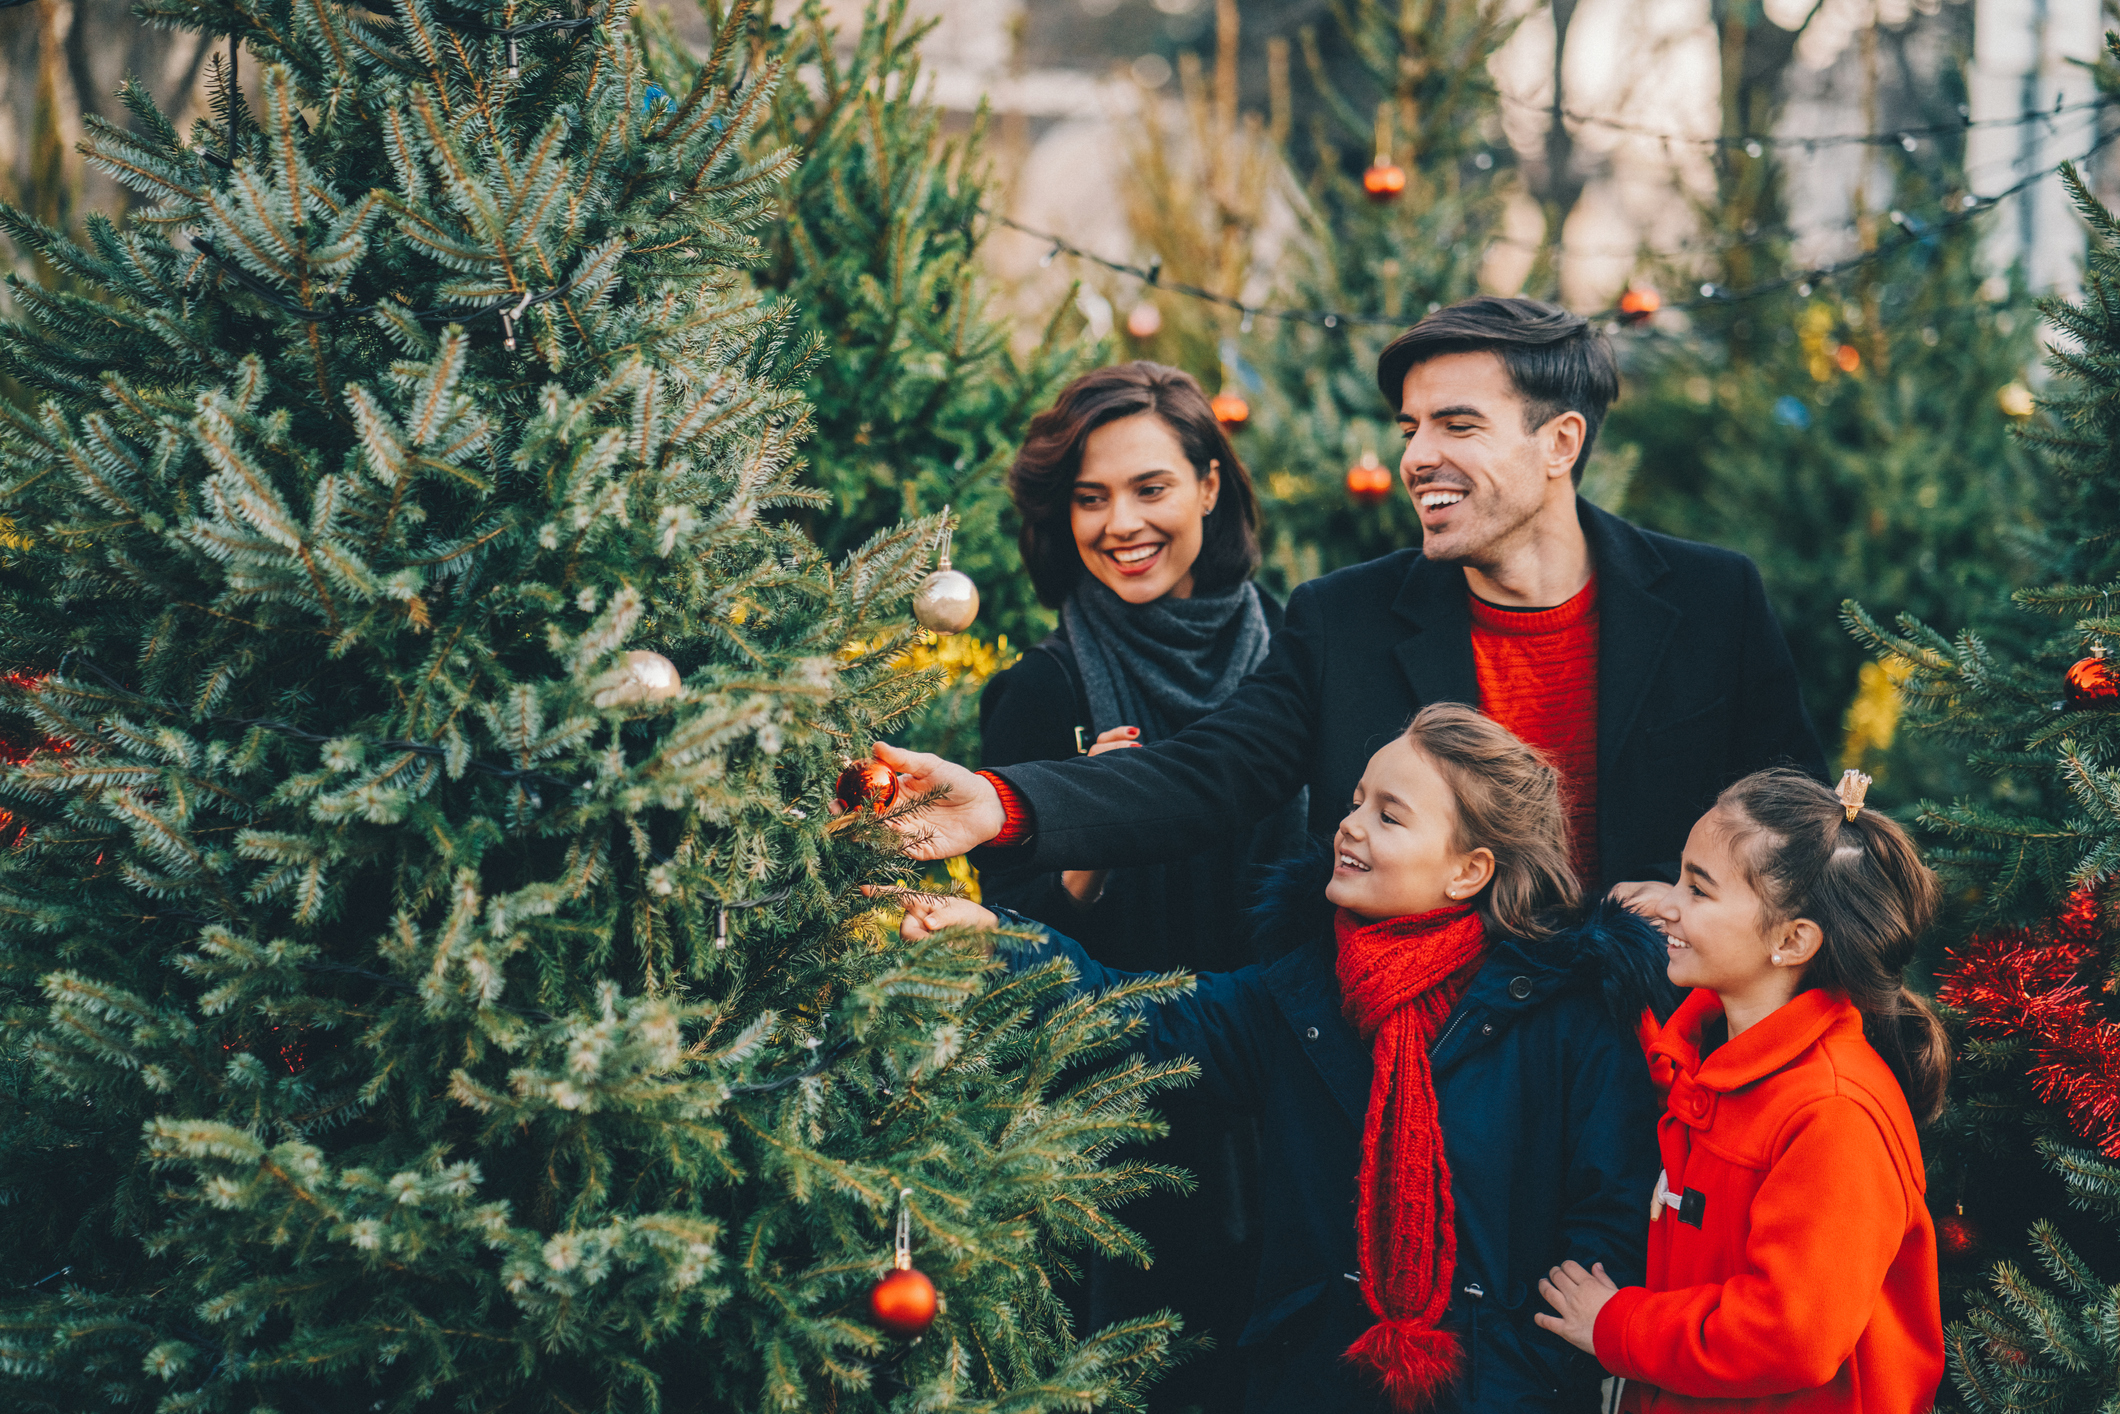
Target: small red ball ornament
{"points": [[903, 1303], [1384, 180], [1638, 303], [869, 783], [1369, 480], [1955, 1237], [1229, 409], [2093, 683]]}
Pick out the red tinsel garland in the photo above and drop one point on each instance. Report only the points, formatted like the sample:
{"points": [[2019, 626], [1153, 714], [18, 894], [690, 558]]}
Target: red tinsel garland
{"points": [[15, 751], [2027, 981]]}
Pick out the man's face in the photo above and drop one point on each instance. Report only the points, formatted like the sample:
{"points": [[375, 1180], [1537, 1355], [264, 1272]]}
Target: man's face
{"points": [[1479, 479]]}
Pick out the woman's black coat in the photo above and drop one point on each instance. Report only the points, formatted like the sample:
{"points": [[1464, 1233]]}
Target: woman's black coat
{"points": [[1548, 1125]]}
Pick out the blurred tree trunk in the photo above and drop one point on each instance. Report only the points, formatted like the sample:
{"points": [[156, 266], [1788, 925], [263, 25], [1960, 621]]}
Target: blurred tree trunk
{"points": [[62, 59]]}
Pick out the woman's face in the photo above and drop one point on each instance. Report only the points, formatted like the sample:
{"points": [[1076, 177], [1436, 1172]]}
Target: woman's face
{"points": [[1396, 852], [1138, 509]]}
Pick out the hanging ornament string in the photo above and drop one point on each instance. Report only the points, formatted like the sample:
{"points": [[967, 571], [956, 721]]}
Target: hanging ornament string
{"points": [[904, 1302], [947, 601]]}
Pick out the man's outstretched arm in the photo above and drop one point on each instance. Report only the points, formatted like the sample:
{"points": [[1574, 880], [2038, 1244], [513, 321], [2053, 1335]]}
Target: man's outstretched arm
{"points": [[1228, 770]]}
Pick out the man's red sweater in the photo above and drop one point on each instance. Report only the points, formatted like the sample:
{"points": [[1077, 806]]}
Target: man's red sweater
{"points": [[1538, 677]]}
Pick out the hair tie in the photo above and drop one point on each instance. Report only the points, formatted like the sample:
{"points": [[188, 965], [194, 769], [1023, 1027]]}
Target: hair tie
{"points": [[1853, 787]]}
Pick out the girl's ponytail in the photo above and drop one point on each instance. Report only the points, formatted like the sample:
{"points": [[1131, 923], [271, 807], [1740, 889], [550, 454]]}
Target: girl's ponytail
{"points": [[1863, 883], [1910, 1036]]}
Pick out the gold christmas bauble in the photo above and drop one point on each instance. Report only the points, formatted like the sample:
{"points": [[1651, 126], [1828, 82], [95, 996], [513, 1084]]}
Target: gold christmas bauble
{"points": [[646, 677], [947, 601]]}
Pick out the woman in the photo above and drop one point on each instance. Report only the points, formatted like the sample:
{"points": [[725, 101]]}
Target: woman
{"points": [[1140, 527]]}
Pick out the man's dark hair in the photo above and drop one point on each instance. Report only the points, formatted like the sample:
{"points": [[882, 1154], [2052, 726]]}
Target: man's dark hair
{"points": [[1556, 360], [1042, 482]]}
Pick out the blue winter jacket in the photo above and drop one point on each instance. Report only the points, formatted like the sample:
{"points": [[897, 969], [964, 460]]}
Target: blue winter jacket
{"points": [[1549, 1127]]}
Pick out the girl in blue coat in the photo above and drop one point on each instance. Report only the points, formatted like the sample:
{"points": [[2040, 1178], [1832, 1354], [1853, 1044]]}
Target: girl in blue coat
{"points": [[1452, 1097]]}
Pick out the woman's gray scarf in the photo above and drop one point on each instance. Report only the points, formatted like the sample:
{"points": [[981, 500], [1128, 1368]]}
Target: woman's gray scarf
{"points": [[1161, 666]]}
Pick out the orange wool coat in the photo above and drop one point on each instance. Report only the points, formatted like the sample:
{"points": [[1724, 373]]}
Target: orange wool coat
{"points": [[1796, 1269]]}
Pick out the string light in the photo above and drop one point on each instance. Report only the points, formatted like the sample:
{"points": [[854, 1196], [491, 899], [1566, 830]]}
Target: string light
{"points": [[1911, 232], [1756, 144]]}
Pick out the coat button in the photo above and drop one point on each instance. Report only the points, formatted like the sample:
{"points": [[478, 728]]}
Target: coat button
{"points": [[1520, 987], [1487, 1029], [1311, 1034]]}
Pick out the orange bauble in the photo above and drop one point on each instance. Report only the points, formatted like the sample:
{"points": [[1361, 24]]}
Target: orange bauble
{"points": [[1369, 480], [1848, 357], [1384, 180], [2093, 683], [903, 1303], [1229, 409], [1638, 303], [867, 783]]}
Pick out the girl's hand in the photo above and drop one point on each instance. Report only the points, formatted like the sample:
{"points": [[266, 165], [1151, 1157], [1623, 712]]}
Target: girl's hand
{"points": [[1578, 1296], [1644, 897], [928, 914], [1116, 739]]}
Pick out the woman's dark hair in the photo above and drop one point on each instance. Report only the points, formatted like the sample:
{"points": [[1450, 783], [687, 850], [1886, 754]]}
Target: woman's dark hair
{"points": [[1558, 362], [1508, 800], [1042, 482], [1862, 882]]}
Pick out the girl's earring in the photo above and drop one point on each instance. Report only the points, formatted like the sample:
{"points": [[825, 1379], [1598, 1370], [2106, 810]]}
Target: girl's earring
{"points": [[1775, 959]]}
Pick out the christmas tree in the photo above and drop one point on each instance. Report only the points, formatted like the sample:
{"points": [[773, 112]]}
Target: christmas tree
{"points": [[1852, 433], [433, 976], [2039, 1076], [1401, 178]]}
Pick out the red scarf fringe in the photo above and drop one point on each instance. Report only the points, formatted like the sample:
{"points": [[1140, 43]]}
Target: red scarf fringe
{"points": [[1399, 980]]}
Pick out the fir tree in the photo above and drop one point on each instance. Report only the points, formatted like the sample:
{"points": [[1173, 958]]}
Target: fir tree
{"points": [[1425, 103], [1852, 435], [1861, 449], [412, 1003], [2038, 1073]]}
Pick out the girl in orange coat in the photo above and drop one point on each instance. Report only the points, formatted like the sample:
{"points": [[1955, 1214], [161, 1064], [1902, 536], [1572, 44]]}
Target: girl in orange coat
{"points": [[1792, 1264]]}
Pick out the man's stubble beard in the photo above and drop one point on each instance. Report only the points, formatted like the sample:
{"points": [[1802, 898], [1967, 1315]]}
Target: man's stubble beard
{"points": [[1485, 545]]}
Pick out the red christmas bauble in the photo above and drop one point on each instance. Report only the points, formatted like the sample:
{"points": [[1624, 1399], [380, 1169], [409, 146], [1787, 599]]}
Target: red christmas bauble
{"points": [[1384, 181], [2093, 683], [867, 783], [903, 1303], [1229, 409], [1955, 1237], [1369, 480], [1638, 303]]}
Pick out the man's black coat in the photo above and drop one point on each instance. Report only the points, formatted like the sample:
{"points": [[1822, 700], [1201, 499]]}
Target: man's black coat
{"points": [[1695, 689]]}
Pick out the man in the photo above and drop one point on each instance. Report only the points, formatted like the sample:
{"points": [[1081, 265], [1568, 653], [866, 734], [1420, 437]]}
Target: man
{"points": [[1651, 670]]}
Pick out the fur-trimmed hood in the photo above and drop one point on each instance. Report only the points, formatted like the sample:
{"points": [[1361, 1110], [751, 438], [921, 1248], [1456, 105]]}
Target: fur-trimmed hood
{"points": [[1613, 948]]}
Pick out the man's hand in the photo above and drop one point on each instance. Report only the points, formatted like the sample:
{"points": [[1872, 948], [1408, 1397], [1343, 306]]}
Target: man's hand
{"points": [[1578, 1296], [967, 816], [1643, 896]]}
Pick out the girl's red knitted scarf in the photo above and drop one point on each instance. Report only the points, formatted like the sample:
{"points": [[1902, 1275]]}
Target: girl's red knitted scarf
{"points": [[1399, 980]]}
